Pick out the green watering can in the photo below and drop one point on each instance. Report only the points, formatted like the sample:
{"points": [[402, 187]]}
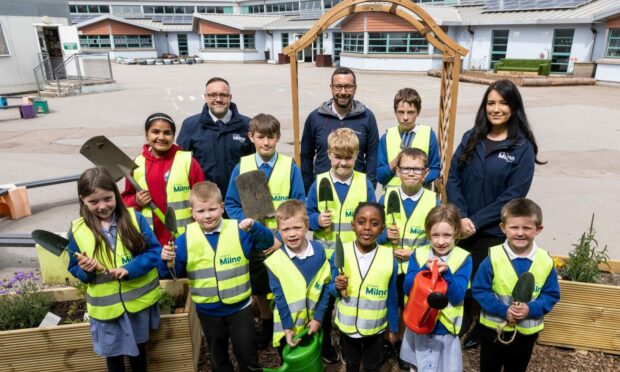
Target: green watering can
{"points": [[305, 357]]}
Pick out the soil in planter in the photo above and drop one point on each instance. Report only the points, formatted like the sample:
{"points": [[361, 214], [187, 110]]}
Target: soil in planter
{"points": [[69, 311], [609, 279]]}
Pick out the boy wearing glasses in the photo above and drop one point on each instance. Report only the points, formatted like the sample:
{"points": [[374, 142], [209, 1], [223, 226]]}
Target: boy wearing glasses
{"points": [[328, 218], [218, 136], [407, 106], [405, 230]]}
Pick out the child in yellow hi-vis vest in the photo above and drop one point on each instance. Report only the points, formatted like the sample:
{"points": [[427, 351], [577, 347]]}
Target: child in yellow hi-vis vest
{"points": [[440, 350], [370, 306], [349, 188], [214, 253], [119, 265], [493, 284], [298, 274]]}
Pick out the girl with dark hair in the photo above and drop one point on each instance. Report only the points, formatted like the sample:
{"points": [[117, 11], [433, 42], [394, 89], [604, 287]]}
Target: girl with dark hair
{"points": [[493, 165], [119, 266], [165, 174]]}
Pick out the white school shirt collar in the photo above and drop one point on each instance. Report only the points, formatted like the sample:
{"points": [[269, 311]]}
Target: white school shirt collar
{"points": [[512, 255], [218, 229], [337, 180], [309, 252], [415, 197], [271, 162], [444, 258], [414, 130], [224, 120]]}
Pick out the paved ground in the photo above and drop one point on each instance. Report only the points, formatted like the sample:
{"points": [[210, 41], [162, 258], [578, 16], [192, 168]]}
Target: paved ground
{"points": [[577, 129]]}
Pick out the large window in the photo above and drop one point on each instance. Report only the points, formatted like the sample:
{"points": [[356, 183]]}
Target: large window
{"points": [[89, 9], [499, 45], [133, 41], [4, 46], [95, 41], [284, 40], [249, 41], [252, 9], [353, 42], [227, 41], [128, 11], [148, 9], [282, 7], [613, 44], [397, 42]]}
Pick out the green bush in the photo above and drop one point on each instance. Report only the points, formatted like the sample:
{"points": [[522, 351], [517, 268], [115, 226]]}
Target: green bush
{"points": [[583, 262], [540, 66], [22, 303]]}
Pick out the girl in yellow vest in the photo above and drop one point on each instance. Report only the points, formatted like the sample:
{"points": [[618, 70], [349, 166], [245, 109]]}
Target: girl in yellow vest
{"points": [[165, 174], [440, 350], [119, 264], [370, 304]]}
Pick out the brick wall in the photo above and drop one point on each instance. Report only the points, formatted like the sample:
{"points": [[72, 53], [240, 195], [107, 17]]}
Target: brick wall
{"points": [[110, 27], [376, 22]]}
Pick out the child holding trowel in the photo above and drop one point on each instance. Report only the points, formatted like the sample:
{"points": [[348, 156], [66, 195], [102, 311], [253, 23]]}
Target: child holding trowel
{"points": [[285, 182], [493, 287], [165, 174], [406, 207], [298, 273], [119, 265], [439, 350], [369, 305], [214, 252], [347, 188]]}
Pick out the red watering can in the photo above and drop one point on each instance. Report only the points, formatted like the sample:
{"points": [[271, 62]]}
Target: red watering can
{"points": [[427, 297]]}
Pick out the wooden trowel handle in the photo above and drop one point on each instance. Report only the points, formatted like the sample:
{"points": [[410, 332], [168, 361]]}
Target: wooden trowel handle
{"points": [[99, 268], [343, 292], [170, 263]]}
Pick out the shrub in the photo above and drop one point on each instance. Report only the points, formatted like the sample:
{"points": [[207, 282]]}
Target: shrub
{"points": [[583, 261], [22, 303]]}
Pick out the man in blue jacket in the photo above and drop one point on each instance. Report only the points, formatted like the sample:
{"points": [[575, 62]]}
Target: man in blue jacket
{"points": [[340, 111], [218, 136]]}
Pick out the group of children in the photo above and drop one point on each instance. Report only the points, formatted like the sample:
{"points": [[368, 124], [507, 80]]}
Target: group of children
{"points": [[228, 260]]}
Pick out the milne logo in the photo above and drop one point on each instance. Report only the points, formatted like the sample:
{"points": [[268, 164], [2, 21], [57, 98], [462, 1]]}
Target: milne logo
{"points": [[348, 213], [416, 230], [318, 286], [237, 137], [279, 198], [229, 260], [126, 259], [537, 288], [506, 156], [181, 188], [374, 291]]}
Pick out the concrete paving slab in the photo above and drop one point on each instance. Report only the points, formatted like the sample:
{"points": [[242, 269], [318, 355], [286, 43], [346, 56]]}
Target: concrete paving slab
{"points": [[577, 129]]}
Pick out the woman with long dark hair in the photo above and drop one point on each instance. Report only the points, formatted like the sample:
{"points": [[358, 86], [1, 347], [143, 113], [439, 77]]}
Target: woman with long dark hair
{"points": [[493, 164]]}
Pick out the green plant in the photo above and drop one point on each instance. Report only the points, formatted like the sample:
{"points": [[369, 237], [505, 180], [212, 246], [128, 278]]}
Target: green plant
{"points": [[583, 261], [22, 303], [167, 300]]}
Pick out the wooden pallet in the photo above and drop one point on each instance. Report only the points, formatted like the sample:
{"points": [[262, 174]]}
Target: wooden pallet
{"points": [[174, 346]]}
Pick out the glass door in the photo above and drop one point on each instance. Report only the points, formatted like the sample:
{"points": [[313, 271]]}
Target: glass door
{"points": [[562, 45], [182, 40], [499, 46]]}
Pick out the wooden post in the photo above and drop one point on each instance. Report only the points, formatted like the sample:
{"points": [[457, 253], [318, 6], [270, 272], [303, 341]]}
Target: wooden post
{"points": [[295, 98]]}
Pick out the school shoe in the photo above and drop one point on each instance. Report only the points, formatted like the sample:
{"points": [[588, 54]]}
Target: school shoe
{"points": [[329, 353], [473, 339], [265, 336], [402, 365]]}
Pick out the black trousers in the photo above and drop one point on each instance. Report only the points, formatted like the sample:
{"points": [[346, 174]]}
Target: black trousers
{"points": [[137, 363], [239, 329], [367, 350], [513, 357]]}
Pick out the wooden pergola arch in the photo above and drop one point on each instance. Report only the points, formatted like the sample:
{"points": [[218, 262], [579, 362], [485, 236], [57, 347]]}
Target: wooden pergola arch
{"points": [[426, 25]]}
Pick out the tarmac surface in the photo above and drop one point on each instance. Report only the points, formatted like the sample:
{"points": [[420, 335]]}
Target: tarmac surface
{"points": [[577, 130]]}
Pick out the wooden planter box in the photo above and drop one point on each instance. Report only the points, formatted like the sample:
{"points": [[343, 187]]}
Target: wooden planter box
{"points": [[587, 317], [175, 346]]}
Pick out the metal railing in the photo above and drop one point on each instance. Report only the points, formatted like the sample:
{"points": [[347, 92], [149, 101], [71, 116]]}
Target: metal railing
{"points": [[79, 68]]}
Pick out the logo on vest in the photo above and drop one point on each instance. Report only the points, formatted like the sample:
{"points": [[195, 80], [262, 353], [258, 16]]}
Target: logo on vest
{"points": [[279, 198], [506, 156], [229, 260], [181, 188], [416, 230], [126, 259], [374, 291], [348, 213], [318, 286], [239, 138]]}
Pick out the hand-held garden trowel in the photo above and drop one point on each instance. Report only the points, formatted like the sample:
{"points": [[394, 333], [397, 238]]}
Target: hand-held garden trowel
{"points": [[393, 206], [103, 153], [171, 226], [339, 262], [326, 194], [56, 244], [255, 196], [521, 293]]}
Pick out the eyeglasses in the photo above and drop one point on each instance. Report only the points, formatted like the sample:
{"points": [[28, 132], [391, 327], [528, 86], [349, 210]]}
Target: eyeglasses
{"points": [[347, 87], [214, 96], [416, 171]]}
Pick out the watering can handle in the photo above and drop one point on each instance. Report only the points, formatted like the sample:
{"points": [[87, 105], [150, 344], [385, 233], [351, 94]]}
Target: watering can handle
{"points": [[301, 334], [434, 273]]}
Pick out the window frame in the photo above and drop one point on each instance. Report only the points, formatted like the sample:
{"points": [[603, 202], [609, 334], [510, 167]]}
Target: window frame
{"points": [[607, 45], [408, 42], [221, 41], [86, 41], [349, 42], [4, 41], [132, 41]]}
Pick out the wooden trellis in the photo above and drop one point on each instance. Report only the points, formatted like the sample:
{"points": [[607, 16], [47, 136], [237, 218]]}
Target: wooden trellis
{"points": [[424, 23]]}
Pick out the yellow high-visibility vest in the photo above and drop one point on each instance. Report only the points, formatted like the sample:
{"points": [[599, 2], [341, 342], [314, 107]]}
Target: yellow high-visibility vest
{"points": [[504, 279], [421, 140], [365, 310], [452, 315], [177, 188], [342, 214], [301, 297], [220, 274], [279, 181], [108, 298]]}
